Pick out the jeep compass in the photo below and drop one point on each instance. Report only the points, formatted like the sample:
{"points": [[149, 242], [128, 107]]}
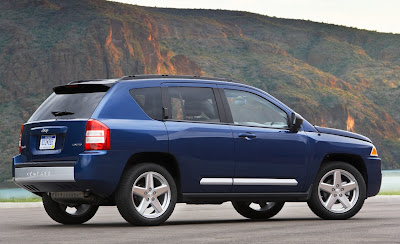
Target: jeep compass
{"points": [[147, 142]]}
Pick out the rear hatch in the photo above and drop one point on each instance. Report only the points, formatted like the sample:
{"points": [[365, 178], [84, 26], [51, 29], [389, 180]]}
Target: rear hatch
{"points": [[56, 131]]}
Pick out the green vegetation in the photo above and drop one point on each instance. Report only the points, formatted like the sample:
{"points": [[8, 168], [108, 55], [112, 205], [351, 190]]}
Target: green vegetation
{"points": [[389, 193], [392, 145], [327, 73], [31, 199], [38, 199]]}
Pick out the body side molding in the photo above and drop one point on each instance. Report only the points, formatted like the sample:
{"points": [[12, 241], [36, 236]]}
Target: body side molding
{"points": [[248, 181], [216, 181]]}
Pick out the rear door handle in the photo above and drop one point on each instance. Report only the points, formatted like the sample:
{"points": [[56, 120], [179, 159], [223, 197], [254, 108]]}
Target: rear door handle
{"points": [[247, 135]]}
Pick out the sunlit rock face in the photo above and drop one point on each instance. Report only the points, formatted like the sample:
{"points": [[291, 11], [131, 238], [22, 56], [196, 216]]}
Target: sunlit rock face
{"points": [[350, 123], [334, 76]]}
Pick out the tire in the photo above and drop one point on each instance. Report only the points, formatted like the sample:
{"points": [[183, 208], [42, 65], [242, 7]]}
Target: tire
{"points": [[338, 192], [68, 215], [265, 210], [146, 195]]}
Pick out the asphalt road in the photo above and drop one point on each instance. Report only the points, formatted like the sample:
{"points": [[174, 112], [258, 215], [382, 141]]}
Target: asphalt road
{"points": [[377, 222]]}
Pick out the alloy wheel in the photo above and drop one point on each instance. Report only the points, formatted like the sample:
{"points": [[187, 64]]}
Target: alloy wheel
{"points": [[75, 210], [338, 191], [151, 194], [261, 206]]}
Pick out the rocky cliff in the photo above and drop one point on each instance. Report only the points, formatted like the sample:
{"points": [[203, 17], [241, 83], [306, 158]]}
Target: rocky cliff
{"points": [[334, 76]]}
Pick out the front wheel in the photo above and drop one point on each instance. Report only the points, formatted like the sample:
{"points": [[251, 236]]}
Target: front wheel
{"points": [[258, 210], [68, 214], [338, 192]]}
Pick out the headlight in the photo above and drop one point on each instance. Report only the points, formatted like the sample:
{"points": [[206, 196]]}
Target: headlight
{"points": [[374, 152]]}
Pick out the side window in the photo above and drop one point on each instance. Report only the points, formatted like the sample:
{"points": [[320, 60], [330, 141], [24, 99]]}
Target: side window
{"points": [[149, 99], [252, 110], [193, 104]]}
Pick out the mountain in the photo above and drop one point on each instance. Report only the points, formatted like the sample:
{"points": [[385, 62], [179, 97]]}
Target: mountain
{"points": [[334, 76]]}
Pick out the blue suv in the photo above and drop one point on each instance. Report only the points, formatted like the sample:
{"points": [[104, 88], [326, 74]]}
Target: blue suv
{"points": [[144, 143]]}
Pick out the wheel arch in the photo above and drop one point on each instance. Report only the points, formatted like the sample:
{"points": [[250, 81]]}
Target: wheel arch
{"points": [[353, 159], [166, 160]]}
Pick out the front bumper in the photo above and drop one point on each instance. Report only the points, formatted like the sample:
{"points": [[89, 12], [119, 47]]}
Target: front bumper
{"points": [[374, 174]]}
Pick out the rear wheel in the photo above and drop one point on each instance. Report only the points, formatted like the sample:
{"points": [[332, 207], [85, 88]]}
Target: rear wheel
{"points": [[68, 213], [258, 210], [338, 192], [146, 195]]}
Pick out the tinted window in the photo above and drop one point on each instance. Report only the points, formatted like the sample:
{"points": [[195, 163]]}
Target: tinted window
{"points": [[149, 99], [193, 103], [252, 110], [68, 106]]}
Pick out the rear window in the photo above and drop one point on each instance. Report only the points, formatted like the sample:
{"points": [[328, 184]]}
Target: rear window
{"points": [[67, 103]]}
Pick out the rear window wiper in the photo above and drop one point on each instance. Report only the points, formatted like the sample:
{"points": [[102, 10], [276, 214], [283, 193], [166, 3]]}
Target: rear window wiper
{"points": [[61, 113]]}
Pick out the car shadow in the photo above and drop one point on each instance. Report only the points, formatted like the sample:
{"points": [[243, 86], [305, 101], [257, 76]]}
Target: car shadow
{"points": [[196, 222]]}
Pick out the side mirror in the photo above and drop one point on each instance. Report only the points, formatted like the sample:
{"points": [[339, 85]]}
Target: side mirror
{"points": [[295, 122]]}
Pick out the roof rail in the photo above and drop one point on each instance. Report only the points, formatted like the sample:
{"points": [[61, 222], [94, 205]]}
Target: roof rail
{"points": [[192, 77], [80, 81]]}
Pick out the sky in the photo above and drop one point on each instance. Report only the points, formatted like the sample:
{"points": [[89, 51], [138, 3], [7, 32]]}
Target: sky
{"points": [[376, 15]]}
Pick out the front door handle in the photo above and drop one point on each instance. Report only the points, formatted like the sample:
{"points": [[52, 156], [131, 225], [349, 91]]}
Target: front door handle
{"points": [[247, 135]]}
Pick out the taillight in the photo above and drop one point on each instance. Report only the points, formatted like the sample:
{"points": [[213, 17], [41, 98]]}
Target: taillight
{"points": [[97, 136], [20, 138]]}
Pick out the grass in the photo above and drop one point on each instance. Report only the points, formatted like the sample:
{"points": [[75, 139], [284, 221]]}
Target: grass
{"points": [[29, 199], [389, 193]]}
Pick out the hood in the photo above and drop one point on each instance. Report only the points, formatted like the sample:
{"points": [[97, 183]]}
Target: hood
{"points": [[342, 133]]}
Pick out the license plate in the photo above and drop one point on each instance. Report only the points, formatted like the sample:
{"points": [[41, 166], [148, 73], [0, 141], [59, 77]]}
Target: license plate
{"points": [[47, 142]]}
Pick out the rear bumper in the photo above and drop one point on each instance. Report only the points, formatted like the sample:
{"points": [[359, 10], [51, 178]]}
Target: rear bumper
{"points": [[44, 174], [95, 171]]}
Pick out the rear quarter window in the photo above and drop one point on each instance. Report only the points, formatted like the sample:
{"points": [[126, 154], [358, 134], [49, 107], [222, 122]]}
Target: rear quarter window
{"points": [[149, 99]]}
